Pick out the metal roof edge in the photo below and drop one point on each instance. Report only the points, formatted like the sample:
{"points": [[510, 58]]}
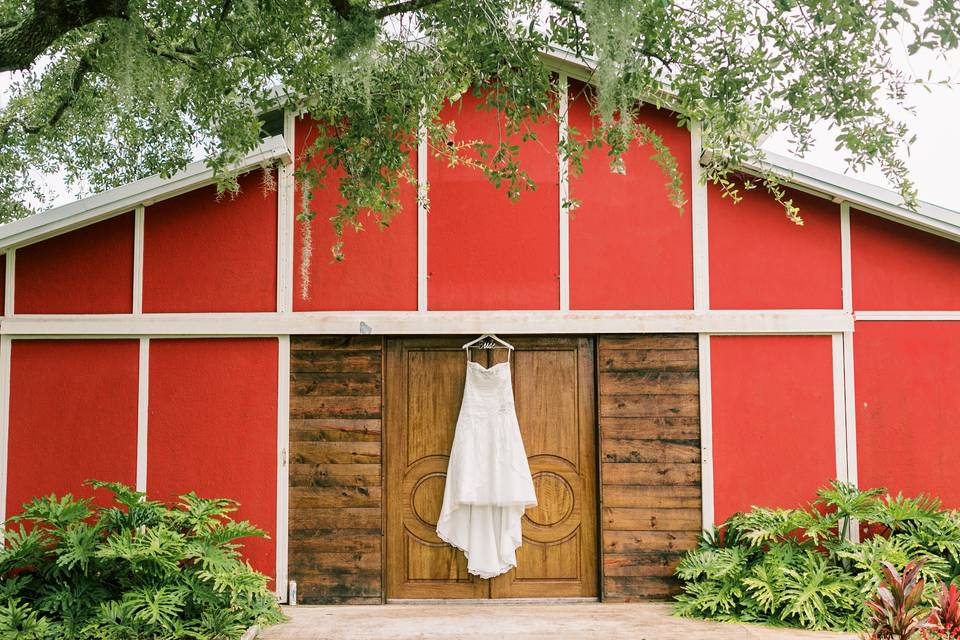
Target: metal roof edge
{"points": [[129, 196], [863, 195]]}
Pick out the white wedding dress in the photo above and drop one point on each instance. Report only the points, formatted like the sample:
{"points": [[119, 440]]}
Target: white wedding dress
{"points": [[488, 478]]}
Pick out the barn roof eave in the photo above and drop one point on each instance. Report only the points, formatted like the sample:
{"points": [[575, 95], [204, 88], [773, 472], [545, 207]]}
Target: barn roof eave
{"points": [[131, 195], [880, 201]]}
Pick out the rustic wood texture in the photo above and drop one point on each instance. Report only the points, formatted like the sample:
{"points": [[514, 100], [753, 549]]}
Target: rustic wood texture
{"points": [[649, 461], [335, 505]]}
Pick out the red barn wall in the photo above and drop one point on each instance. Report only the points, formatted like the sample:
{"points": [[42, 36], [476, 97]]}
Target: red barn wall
{"points": [[89, 270], [759, 259], [773, 420], [630, 248], [201, 253], [73, 417], [907, 379], [212, 428], [895, 267], [484, 251], [379, 271]]}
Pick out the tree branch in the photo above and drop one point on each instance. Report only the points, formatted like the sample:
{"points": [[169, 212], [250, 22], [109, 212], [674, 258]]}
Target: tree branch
{"points": [[26, 40], [568, 5], [67, 98], [403, 7]]}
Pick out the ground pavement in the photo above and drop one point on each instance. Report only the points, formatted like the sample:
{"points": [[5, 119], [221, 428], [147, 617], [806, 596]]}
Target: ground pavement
{"points": [[514, 622]]}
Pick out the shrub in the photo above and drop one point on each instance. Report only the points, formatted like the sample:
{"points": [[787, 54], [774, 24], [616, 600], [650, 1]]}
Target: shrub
{"points": [[798, 567], [895, 611], [944, 622], [137, 569]]}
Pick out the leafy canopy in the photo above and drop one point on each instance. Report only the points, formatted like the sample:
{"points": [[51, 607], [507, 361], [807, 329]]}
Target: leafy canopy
{"points": [[106, 91]]}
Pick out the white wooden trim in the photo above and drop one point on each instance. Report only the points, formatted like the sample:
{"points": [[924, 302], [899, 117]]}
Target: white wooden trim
{"points": [[850, 423], [285, 219], [701, 238], [5, 347], [139, 217], [563, 119], [839, 407], [930, 316], [706, 431], [143, 403], [422, 195], [9, 279], [129, 196], [850, 408], [846, 268], [283, 438], [429, 323]]}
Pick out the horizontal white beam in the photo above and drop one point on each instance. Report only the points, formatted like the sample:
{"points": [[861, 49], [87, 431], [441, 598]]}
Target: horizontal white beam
{"points": [[429, 323], [908, 315], [130, 196]]}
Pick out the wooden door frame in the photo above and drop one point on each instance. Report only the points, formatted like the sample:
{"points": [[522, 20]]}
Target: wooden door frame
{"points": [[390, 352]]}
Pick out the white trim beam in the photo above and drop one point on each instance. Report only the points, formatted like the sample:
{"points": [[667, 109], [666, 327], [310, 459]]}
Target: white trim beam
{"points": [[139, 218], [701, 238], [283, 437], [846, 262], [9, 280], [5, 348], [143, 402], [913, 316], [850, 408], [422, 195], [428, 323], [563, 119], [285, 220], [839, 408], [706, 433]]}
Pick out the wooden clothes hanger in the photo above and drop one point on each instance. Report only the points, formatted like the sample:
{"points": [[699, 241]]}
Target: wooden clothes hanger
{"points": [[488, 341]]}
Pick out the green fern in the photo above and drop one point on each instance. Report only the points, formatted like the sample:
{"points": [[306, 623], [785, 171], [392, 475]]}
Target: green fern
{"points": [[131, 570], [799, 567], [19, 621]]}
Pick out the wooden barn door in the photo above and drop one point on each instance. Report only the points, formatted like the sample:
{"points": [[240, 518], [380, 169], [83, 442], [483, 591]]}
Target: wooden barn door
{"points": [[554, 394]]}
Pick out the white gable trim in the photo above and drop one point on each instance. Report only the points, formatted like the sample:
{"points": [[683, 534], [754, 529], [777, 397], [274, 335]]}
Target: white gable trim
{"points": [[862, 195], [130, 196]]}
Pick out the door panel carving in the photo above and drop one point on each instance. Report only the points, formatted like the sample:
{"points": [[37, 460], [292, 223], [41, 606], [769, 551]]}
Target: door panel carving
{"points": [[554, 394]]}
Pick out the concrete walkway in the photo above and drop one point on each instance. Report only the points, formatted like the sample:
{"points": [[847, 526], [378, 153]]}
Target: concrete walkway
{"points": [[516, 621]]}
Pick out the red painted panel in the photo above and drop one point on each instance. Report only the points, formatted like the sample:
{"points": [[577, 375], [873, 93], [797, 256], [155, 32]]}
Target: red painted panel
{"points": [[73, 416], [205, 254], [89, 270], [484, 251], [773, 420], [759, 259], [213, 428], [379, 271], [630, 248], [3, 282], [907, 377], [896, 267]]}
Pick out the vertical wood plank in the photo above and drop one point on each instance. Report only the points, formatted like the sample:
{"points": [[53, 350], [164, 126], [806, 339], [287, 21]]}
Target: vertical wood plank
{"points": [[650, 493], [335, 500]]}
